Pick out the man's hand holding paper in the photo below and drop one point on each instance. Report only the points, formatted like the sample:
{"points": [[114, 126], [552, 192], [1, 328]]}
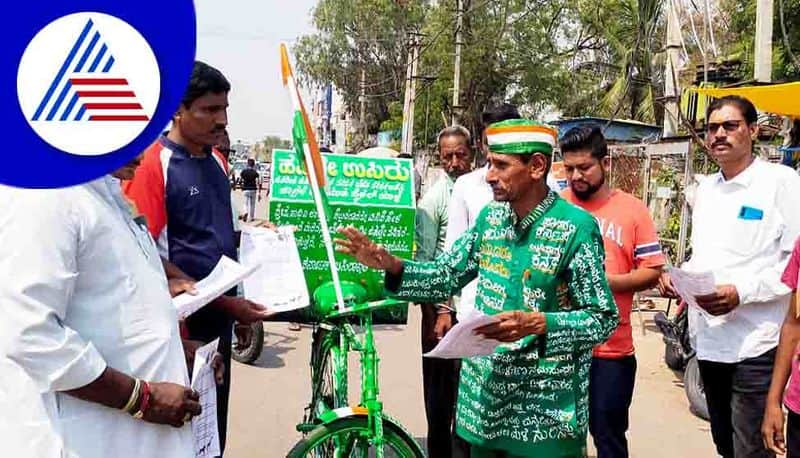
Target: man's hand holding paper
{"points": [[178, 286], [722, 301], [243, 310], [227, 274], [463, 340], [512, 326], [700, 291]]}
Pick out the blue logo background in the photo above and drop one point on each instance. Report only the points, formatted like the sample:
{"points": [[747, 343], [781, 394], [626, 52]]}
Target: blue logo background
{"points": [[27, 160]]}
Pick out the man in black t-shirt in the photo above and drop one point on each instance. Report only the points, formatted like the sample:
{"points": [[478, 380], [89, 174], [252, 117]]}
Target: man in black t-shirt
{"points": [[251, 186]]}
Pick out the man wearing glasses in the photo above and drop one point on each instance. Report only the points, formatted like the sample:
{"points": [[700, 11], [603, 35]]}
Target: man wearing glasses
{"points": [[744, 223]]}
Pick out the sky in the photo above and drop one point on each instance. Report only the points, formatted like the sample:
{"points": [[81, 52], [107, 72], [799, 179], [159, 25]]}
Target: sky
{"points": [[241, 39]]}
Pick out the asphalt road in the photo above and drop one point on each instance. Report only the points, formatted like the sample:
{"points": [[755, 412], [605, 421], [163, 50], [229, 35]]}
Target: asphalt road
{"points": [[269, 396]]}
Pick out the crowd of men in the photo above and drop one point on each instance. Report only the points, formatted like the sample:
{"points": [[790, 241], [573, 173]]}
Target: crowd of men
{"points": [[498, 240], [94, 361]]}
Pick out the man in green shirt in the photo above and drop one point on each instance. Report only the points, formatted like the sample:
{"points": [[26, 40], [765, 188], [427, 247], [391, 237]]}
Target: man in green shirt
{"points": [[440, 376], [539, 265]]}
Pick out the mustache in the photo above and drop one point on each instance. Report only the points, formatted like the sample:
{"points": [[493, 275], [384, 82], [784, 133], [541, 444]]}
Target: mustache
{"points": [[723, 143]]}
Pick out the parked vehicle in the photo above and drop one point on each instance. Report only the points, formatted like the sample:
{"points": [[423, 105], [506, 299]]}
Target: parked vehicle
{"points": [[264, 171], [249, 352], [680, 356], [236, 171]]}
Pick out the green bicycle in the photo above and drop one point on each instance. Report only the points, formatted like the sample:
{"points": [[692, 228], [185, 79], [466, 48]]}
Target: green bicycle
{"points": [[331, 428]]}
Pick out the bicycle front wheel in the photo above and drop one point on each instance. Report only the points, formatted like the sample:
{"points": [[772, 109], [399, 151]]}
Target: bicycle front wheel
{"points": [[349, 437]]}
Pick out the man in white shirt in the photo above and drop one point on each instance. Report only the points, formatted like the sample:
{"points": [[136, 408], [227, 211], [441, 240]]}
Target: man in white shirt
{"points": [[440, 376], [744, 224], [470, 194], [91, 363]]}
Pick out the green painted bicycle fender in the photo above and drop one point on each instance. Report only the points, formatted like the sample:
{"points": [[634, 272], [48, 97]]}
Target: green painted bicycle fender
{"points": [[358, 411], [335, 414]]}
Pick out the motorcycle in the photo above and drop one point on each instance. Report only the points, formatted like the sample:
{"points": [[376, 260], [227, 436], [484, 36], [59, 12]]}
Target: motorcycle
{"points": [[679, 355], [247, 344]]}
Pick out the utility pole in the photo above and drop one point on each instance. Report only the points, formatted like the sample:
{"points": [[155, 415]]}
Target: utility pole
{"points": [[406, 100], [414, 72], [428, 80], [407, 138], [671, 89], [363, 100], [457, 65], [763, 57]]}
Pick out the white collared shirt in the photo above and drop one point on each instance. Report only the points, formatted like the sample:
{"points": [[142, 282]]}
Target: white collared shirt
{"points": [[743, 231], [82, 289], [470, 194]]}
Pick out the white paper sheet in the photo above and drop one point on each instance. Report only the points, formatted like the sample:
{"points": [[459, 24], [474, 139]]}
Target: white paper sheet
{"points": [[278, 282], [462, 342], [204, 426], [690, 284], [226, 274]]}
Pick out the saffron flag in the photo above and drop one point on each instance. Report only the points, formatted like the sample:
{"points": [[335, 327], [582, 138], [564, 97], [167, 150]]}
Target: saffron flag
{"points": [[305, 145]]}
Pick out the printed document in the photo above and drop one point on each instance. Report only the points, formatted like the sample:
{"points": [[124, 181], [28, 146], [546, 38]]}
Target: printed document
{"points": [[226, 274], [462, 342], [690, 284], [204, 426], [278, 281]]}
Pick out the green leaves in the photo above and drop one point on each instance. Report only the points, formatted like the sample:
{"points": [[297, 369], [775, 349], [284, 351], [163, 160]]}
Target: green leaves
{"points": [[569, 57]]}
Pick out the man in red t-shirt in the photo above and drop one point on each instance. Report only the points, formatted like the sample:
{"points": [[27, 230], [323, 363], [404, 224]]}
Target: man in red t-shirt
{"points": [[633, 263]]}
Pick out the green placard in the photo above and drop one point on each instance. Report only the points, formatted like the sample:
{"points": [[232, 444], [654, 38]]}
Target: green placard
{"points": [[374, 195]]}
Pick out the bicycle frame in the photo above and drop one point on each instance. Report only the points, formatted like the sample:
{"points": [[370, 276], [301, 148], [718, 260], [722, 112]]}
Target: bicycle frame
{"points": [[339, 340], [369, 374]]}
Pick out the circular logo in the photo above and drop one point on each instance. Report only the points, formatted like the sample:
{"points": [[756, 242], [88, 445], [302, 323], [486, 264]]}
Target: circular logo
{"points": [[100, 95], [92, 84]]}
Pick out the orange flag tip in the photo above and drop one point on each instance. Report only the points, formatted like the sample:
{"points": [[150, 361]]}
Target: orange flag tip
{"points": [[286, 67]]}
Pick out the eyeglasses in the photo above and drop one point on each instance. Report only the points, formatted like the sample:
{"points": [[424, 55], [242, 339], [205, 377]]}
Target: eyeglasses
{"points": [[729, 126]]}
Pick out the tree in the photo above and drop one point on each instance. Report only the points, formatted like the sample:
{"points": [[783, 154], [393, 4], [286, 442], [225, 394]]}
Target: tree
{"points": [[740, 18], [360, 35], [625, 60], [513, 50], [264, 149], [569, 57]]}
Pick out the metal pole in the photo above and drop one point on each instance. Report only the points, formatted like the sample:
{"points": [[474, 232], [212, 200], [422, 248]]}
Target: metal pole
{"points": [[427, 111], [404, 148], [413, 96], [457, 66], [705, 49], [364, 102], [671, 89], [711, 29], [763, 51], [648, 165], [688, 171]]}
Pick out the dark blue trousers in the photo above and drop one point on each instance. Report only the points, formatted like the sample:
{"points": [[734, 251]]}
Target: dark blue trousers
{"points": [[610, 393]]}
